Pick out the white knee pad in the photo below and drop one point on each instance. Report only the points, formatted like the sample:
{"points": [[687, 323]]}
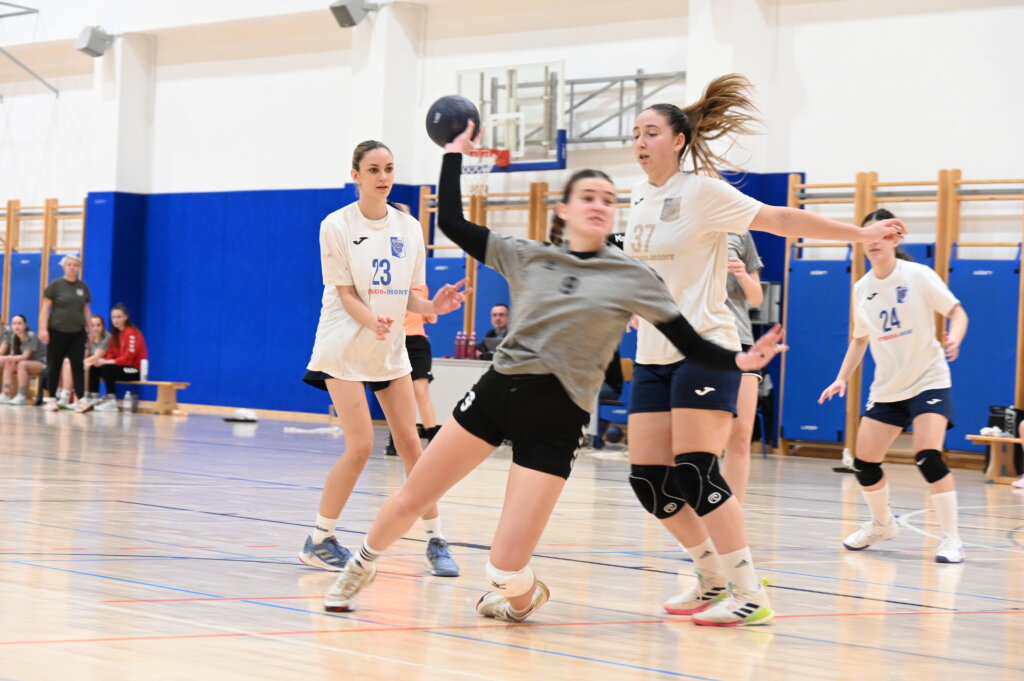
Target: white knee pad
{"points": [[510, 584]]}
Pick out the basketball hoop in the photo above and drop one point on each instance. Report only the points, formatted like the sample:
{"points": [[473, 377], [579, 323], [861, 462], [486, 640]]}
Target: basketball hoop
{"points": [[478, 163]]}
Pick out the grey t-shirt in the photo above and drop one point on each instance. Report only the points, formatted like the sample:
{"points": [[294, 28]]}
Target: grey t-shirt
{"points": [[31, 344], [102, 344], [69, 299], [575, 309], [742, 246], [5, 335]]}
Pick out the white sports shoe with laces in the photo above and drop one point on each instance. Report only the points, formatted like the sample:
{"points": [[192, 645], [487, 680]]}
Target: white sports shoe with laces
{"points": [[870, 533], [740, 608], [709, 589], [950, 550]]}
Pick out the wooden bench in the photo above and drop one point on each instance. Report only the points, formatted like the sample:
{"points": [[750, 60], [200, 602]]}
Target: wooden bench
{"points": [[166, 395], [1000, 456]]}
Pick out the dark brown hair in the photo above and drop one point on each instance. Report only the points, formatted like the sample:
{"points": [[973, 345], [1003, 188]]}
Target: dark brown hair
{"points": [[116, 332], [557, 223], [15, 341], [725, 109], [363, 148], [885, 214]]}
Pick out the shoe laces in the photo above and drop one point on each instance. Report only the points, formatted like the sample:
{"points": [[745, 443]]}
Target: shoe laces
{"points": [[438, 548]]}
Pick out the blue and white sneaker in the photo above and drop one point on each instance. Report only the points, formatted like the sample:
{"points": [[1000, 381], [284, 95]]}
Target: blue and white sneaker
{"points": [[327, 555], [439, 559]]}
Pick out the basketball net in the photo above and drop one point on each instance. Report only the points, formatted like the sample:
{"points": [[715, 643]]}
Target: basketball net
{"points": [[477, 166]]}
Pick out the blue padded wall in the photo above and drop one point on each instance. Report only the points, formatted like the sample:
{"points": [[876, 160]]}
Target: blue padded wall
{"points": [[819, 308], [983, 376], [441, 271], [24, 297], [491, 289]]}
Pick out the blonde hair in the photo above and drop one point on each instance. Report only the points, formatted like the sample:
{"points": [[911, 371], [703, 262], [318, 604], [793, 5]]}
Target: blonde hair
{"points": [[724, 110], [70, 256]]}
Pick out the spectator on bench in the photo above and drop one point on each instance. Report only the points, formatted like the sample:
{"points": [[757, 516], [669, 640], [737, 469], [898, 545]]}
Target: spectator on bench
{"points": [[122, 360], [25, 356]]}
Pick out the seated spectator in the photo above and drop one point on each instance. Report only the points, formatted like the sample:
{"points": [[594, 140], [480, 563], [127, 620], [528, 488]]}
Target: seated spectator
{"points": [[25, 356], [499, 320], [96, 346], [122, 360]]}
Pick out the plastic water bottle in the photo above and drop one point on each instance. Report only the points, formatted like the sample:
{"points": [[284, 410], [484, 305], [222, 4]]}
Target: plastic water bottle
{"points": [[144, 370], [471, 350], [131, 402], [460, 345]]}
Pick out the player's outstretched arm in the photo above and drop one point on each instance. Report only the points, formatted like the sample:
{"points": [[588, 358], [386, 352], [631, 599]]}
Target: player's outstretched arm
{"points": [[854, 355]]}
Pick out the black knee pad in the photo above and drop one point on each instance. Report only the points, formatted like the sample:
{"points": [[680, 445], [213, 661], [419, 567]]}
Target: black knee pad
{"points": [[931, 465], [655, 487], [700, 481], [868, 472]]}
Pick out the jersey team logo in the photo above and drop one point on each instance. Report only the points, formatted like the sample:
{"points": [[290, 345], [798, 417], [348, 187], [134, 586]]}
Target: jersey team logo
{"points": [[901, 294], [397, 247], [670, 209]]}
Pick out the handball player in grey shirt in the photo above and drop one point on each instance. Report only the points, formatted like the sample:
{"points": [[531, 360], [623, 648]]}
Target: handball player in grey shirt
{"points": [[572, 303]]}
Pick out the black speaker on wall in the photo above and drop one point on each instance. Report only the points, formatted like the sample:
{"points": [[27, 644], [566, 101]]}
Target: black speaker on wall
{"points": [[348, 13]]}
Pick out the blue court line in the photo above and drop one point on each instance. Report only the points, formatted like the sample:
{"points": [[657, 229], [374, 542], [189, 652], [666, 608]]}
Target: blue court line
{"points": [[508, 645], [898, 652], [381, 624]]}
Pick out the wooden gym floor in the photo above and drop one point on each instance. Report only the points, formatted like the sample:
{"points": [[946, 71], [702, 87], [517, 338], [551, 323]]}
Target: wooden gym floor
{"points": [[140, 547]]}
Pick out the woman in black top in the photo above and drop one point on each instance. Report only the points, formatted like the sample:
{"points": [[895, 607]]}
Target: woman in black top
{"points": [[62, 325]]}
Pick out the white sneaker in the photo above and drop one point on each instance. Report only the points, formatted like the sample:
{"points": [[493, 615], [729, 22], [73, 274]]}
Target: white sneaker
{"points": [[64, 399], [739, 608], [950, 550], [18, 400], [83, 405], [869, 533], [5, 398], [107, 405], [493, 604], [353, 579], [709, 589], [49, 404]]}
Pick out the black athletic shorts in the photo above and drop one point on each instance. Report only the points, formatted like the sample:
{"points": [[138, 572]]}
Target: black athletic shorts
{"points": [[533, 411], [318, 379], [418, 348]]}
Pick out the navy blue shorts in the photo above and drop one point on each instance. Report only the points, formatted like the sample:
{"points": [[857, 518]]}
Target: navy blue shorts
{"points": [[683, 385], [903, 413]]}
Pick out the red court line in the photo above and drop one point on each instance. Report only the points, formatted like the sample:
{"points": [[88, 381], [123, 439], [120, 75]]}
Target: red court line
{"points": [[496, 625], [65, 548], [612, 546], [135, 548]]}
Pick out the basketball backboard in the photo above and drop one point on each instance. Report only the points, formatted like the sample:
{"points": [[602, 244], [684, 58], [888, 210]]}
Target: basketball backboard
{"points": [[521, 109]]}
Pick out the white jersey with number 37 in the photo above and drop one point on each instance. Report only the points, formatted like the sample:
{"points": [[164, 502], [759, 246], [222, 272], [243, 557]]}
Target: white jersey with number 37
{"points": [[382, 261], [897, 314], [679, 229]]}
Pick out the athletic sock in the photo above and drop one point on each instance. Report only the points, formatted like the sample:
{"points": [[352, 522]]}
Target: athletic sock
{"points": [[704, 556], [738, 568], [878, 504], [23, 391], [324, 528], [432, 528], [367, 555], [946, 509]]}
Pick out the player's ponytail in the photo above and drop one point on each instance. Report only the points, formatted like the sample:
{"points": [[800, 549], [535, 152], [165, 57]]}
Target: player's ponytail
{"points": [[885, 214], [724, 110], [557, 233]]}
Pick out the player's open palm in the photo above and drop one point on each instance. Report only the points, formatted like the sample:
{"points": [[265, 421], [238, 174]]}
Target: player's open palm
{"points": [[449, 298], [762, 352]]}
